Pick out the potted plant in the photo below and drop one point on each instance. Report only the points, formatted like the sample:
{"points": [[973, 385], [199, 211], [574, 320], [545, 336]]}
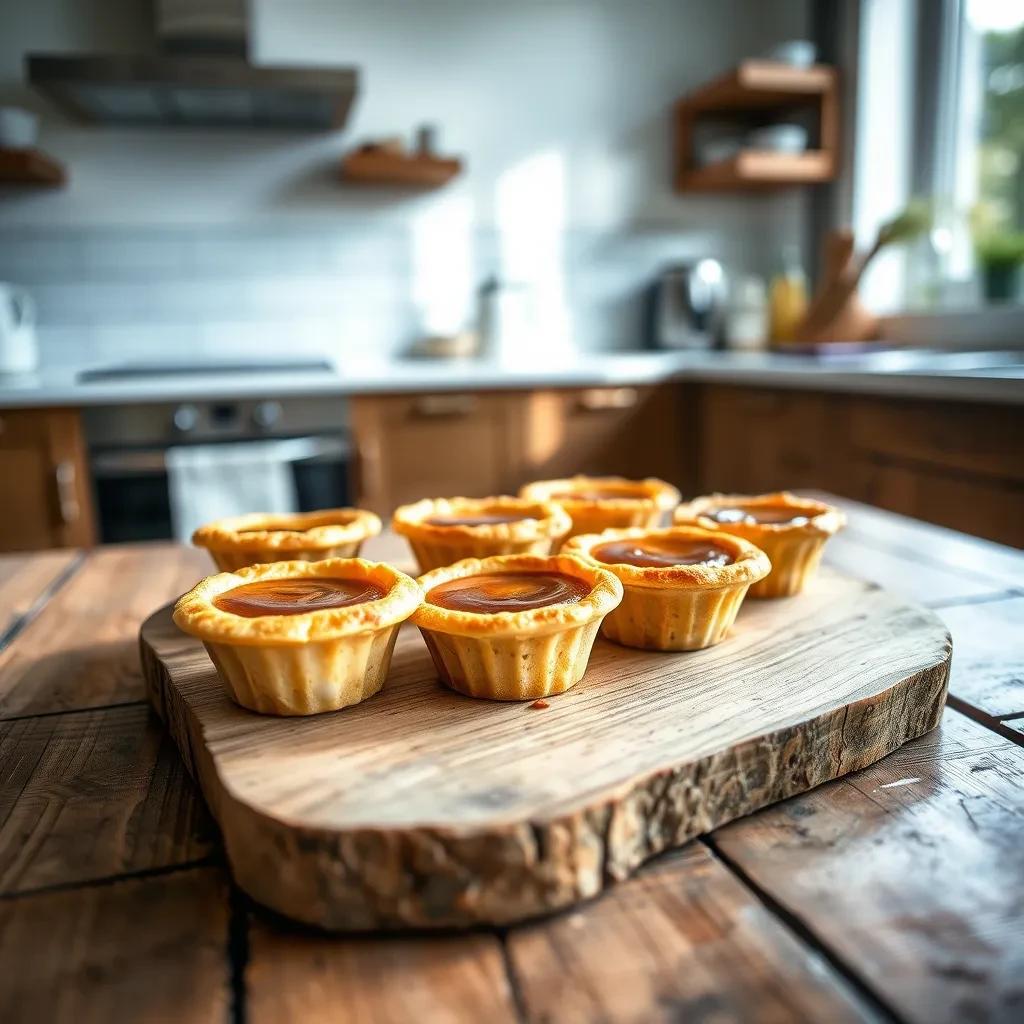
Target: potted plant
{"points": [[1000, 255]]}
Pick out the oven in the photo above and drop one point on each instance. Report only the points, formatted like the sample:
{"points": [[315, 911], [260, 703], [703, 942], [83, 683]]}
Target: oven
{"points": [[133, 450]]}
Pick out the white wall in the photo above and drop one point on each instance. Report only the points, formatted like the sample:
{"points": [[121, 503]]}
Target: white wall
{"points": [[560, 108]]}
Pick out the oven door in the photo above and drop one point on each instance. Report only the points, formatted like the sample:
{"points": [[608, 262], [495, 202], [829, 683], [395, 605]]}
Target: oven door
{"points": [[132, 492]]}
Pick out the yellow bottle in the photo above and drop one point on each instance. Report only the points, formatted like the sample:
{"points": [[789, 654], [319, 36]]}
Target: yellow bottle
{"points": [[787, 302]]}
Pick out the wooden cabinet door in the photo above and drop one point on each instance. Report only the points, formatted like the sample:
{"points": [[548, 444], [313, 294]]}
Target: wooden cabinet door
{"points": [[956, 464], [433, 445], [978, 505], [45, 498], [755, 440], [621, 431]]}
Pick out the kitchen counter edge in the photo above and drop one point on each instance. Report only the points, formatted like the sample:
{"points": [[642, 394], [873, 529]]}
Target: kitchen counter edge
{"points": [[58, 388]]}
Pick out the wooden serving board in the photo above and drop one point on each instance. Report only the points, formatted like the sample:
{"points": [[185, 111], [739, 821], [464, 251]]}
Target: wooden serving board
{"points": [[423, 808]]}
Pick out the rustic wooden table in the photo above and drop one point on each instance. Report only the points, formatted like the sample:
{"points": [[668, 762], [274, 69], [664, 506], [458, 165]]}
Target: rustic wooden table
{"points": [[894, 893]]}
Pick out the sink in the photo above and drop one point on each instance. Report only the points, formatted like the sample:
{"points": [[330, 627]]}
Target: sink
{"points": [[927, 361], [971, 362]]}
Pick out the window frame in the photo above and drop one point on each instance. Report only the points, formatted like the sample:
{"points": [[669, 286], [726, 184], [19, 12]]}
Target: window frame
{"points": [[926, 112]]}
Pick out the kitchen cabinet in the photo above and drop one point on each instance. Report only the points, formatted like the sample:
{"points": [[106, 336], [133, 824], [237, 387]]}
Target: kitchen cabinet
{"points": [[440, 445], [429, 445], [754, 440], [624, 431], [46, 495], [956, 464]]}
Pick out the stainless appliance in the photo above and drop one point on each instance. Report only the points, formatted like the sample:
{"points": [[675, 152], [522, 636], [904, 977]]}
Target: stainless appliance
{"points": [[201, 76], [687, 303], [128, 446]]}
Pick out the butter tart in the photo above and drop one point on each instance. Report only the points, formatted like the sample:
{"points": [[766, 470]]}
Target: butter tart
{"points": [[302, 536], [791, 531], [682, 585], [597, 503], [514, 627], [299, 638], [446, 530]]}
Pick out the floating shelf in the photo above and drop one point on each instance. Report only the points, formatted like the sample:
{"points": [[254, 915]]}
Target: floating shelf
{"points": [[754, 87], [763, 83], [30, 167], [383, 167], [756, 168]]}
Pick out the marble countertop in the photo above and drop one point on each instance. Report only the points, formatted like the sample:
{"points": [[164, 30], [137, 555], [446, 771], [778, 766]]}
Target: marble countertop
{"points": [[981, 377]]}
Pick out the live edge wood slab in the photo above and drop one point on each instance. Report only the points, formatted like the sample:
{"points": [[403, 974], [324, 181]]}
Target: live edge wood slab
{"points": [[422, 808]]}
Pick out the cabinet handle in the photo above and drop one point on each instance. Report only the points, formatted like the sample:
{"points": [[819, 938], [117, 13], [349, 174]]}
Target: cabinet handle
{"points": [[67, 493], [600, 399], [434, 406]]}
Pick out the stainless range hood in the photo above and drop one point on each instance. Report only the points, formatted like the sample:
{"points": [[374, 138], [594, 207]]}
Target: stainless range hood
{"points": [[194, 90], [201, 77]]}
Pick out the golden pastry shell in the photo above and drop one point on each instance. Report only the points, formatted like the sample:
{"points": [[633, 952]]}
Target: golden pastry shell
{"points": [[605, 594], [822, 520], [546, 519], [196, 613], [750, 563], [284, 532], [652, 493]]}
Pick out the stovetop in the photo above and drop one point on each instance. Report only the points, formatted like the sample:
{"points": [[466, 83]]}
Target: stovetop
{"points": [[140, 371]]}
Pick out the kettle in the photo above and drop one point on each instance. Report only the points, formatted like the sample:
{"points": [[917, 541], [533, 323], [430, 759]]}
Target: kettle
{"points": [[686, 305], [18, 350]]}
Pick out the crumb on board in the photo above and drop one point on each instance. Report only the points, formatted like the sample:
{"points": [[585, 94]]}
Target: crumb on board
{"points": [[539, 705]]}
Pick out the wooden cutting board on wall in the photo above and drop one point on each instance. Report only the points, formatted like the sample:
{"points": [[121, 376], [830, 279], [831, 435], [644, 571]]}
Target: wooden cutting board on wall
{"points": [[423, 808]]}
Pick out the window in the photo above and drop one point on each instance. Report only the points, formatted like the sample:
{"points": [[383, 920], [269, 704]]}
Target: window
{"points": [[940, 115], [990, 155]]}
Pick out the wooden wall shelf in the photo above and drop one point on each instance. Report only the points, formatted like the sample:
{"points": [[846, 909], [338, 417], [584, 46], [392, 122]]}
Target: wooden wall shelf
{"points": [[752, 88], [30, 167], [382, 167], [755, 168], [763, 83]]}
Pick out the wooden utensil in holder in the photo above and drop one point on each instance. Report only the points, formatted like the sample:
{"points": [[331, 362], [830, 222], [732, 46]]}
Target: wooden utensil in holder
{"points": [[836, 312]]}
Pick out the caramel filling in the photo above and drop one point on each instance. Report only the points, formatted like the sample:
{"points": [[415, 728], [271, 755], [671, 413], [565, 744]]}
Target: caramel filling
{"points": [[600, 494], [776, 515], [660, 552], [296, 596], [482, 519], [491, 592], [283, 526]]}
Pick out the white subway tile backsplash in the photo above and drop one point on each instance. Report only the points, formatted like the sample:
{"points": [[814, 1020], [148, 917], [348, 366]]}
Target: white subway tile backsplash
{"points": [[110, 294], [132, 256], [29, 259]]}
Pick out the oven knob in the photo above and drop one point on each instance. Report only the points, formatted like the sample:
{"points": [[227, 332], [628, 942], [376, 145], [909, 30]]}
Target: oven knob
{"points": [[185, 418], [267, 414]]}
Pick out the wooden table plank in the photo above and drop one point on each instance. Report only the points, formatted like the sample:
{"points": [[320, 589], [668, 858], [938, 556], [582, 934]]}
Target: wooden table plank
{"points": [[910, 871], [296, 975], [389, 547], [956, 573], [149, 949], [25, 583], [683, 941], [82, 650], [988, 658], [976, 558], [906, 574], [92, 795]]}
